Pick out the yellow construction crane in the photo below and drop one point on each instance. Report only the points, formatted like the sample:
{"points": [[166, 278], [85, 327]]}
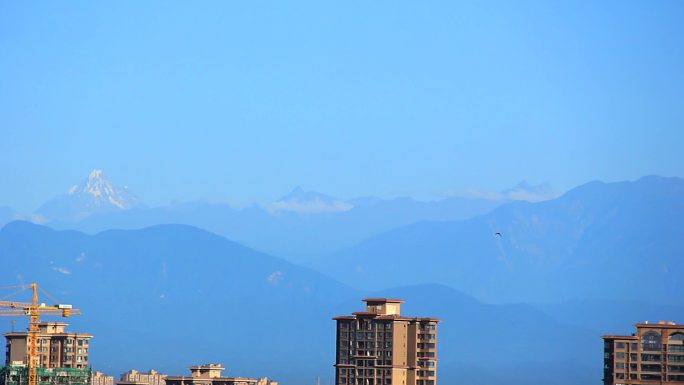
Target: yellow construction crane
{"points": [[33, 310]]}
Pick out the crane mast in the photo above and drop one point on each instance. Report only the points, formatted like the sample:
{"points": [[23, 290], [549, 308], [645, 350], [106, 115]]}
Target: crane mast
{"points": [[32, 337]]}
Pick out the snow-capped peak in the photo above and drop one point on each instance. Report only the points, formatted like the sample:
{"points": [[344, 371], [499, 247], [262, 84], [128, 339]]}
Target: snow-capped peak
{"points": [[299, 200], [101, 189], [95, 194]]}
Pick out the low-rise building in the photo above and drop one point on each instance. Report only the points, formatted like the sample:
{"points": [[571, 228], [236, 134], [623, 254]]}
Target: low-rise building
{"points": [[99, 378], [134, 377], [211, 374]]}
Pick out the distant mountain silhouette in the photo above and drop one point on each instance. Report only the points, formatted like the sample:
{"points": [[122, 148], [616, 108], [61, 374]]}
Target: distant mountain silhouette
{"points": [[7, 214], [599, 240], [95, 195], [181, 295], [300, 226], [302, 201]]}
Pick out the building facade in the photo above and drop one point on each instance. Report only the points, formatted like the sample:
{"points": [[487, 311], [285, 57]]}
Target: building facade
{"points": [[211, 374], [57, 348], [134, 377], [18, 375], [654, 354], [379, 346], [99, 378]]}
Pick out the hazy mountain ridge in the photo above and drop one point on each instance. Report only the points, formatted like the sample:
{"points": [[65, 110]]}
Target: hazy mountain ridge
{"points": [[301, 225], [592, 242], [311, 202], [7, 214], [179, 294], [295, 228]]}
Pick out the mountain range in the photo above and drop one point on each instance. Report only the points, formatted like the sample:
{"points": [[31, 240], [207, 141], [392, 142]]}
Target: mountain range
{"points": [[524, 288], [300, 226], [597, 241], [177, 293]]}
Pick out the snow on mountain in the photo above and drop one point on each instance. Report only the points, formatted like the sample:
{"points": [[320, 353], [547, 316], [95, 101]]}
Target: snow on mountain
{"points": [[309, 202], [523, 191], [94, 195]]}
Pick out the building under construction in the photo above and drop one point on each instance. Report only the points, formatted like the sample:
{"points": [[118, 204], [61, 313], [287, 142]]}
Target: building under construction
{"points": [[18, 375], [62, 357], [45, 354]]}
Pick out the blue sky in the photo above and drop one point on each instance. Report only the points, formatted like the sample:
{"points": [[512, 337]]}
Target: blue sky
{"points": [[245, 100]]}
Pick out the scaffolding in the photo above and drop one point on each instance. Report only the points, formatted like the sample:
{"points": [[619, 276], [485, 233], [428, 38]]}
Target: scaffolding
{"points": [[18, 375]]}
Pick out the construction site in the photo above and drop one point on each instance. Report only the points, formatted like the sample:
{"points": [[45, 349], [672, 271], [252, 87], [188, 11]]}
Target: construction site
{"points": [[45, 354]]}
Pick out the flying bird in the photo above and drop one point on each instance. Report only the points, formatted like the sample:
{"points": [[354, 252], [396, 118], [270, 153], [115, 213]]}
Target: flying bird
{"points": [[499, 234]]}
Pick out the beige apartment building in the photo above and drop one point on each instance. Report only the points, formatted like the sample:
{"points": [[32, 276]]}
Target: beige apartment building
{"points": [[134, 377], [379, 346], [99, 378], [57, 348], [211, 374], [654, 354]]}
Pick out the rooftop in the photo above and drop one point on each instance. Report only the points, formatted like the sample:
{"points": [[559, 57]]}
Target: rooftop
{"points": [[384, 300]]}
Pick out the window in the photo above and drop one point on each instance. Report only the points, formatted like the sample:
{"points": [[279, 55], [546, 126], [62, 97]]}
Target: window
{"points": [[650, 357], [676, 342], [650, 341], [650, 376], [650, 368]]}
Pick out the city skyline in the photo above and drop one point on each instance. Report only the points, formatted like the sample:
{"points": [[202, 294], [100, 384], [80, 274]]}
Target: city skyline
{"points": [[211, 182]]}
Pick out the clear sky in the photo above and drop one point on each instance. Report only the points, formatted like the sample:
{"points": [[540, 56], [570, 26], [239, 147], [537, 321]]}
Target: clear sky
{"points": [[246, 99]]}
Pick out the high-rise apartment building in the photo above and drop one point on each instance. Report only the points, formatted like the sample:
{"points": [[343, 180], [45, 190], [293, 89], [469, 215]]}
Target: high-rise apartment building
{"points": [[57, 348], [652, 355], [379, 346]]}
